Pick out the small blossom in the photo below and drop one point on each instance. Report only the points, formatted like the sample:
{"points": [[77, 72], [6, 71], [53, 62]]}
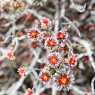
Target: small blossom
{"points": [[44, 76], [54, 59], [63, 80], [72, 61], [10, 55], [45, 23], [22, 71], [34, 44], [51, 43], [28, 92], [61, 35], [33, 34]]}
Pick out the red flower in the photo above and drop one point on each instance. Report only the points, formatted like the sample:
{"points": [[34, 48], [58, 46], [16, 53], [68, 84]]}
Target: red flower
{"points": [[72, 60], [45, 22], [45, 77], [10, 55], [53, 59], [22, 71], [51, 43], [60, 35], [33, 34], [63, 80], [34, 45]]}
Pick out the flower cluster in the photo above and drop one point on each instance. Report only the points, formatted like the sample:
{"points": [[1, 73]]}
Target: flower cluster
{"points": [[60, 59]]}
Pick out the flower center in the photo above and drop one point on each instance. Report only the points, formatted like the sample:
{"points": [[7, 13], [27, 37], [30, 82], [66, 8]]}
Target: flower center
{"points": [[45, 77], [53, 59], [63, 80]]}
